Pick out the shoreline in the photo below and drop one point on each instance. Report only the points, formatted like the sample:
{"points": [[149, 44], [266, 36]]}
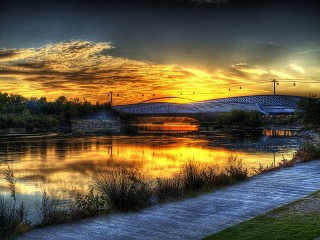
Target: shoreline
{"points": [[307, 134]]}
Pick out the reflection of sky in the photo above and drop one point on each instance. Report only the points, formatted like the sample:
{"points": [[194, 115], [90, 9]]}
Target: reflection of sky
{"points": [[166, 47], [64, 167]]}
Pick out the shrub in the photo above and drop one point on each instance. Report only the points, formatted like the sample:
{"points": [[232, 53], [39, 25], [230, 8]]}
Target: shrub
{"points": [[307, 152], [282, 164], [286, 163], [222, 179], [11, 180], [47, 211], [192, 176], [12, 219], [236, 171], [169, 188], [89, 205], [124, 189], [264, 169]]}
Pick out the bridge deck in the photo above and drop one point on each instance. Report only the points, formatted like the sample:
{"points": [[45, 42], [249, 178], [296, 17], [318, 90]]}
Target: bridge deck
{"points": [[265, 104]]}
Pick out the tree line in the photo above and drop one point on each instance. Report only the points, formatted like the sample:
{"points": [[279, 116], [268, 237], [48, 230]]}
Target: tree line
{"points": [[19, 111]]}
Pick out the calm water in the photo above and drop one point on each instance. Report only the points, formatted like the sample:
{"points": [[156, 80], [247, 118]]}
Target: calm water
{"points": [[63, 165]]}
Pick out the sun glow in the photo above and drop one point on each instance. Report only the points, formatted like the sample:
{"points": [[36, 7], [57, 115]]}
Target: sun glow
{"points": [[63, 170], [83, 69]]}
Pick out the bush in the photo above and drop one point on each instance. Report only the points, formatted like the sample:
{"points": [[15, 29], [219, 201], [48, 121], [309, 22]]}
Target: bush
{"points": [[307, 152], [89, 205], [286, 163], [236, 171], [11, 180], [12, 219], [283, 164], [192, 176], [124, 189], [47, 211], [169, 188]]}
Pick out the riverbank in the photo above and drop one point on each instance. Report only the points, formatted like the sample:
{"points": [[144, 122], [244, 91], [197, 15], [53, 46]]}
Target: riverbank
{"points": [[196, 217], [86, 149]]}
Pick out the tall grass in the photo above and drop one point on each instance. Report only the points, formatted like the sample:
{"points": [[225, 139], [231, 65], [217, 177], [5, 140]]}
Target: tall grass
{"points": [[89, 204], [284, 163], [236, 171], [195, 177], [169, 188], [11, 180], [47, 210], [12, 218], [125, 189]]}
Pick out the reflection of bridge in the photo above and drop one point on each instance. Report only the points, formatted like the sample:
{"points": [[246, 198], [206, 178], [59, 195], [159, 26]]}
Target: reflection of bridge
{"points": [[265, 104]]}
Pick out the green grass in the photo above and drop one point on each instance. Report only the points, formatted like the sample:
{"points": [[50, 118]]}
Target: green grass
{"points": [[297, 220]]}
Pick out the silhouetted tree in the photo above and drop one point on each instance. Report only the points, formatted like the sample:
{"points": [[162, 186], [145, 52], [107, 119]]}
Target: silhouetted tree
{"points": [[309, 110]]}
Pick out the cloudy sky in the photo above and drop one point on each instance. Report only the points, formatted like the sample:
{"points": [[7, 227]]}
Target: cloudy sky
{"points": [[197, 49]]}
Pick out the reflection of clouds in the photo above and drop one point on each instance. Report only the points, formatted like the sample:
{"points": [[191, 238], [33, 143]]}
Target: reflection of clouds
{"points": [[84, 69]]}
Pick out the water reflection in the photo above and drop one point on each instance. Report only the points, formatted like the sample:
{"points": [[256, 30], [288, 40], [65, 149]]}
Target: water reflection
{"points": [[161, 128], [64, 166], [278, 132]]}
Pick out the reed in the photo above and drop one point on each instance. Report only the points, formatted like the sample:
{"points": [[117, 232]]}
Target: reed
{"points": [[124, 189]]}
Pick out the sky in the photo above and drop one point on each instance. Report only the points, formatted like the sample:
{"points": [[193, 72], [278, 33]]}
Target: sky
{"points": [[195, 49]]}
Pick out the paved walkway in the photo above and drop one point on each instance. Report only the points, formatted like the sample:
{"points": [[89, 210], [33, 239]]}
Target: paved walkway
{"points": [[197, 217]]}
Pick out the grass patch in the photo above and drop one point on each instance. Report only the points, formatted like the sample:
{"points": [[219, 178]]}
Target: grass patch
{"points": [[297, 220]]}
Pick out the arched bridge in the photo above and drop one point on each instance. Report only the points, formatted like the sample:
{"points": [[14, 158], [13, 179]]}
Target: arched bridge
{"points": [[265, 104]]}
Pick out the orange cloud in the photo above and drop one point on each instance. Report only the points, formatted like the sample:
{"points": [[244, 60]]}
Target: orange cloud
{"points": [[85, 69]]}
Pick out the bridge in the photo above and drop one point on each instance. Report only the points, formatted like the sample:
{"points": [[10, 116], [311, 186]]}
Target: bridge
{"points": [[265, 104]]}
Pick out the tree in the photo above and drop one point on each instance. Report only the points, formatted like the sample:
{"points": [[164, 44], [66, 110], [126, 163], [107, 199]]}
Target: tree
{"points": [[308, 111]]}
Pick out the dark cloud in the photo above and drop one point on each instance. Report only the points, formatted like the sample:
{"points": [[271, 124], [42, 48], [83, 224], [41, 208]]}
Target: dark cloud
{"points": [[35, 65], [7, 53]]}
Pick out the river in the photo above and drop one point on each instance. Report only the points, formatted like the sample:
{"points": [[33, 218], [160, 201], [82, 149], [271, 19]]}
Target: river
{"points": [[63, 165]]}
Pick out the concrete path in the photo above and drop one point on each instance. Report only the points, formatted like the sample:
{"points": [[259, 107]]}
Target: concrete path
{"points": [[196, 217]]}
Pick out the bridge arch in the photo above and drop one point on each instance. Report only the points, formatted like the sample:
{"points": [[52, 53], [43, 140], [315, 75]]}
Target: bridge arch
{"points": [[166, 98], [265, 104]]}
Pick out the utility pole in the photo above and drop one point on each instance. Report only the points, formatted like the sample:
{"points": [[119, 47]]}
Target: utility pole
{"points": [[274, 86]]}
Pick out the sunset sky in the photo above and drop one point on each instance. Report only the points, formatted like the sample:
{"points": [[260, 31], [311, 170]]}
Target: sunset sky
{"points": [[196, 49]]}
